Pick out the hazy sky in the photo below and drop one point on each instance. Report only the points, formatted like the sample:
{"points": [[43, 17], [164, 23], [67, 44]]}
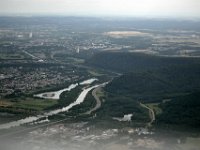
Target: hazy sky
{"points": [[145, 8]]}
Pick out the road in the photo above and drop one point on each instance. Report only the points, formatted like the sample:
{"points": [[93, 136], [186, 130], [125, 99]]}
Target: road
{"points": [[34, 57], [79, 100], [151, 114], [98, 101]]}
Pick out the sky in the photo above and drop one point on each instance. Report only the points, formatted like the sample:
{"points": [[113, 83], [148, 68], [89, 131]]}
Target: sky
{"points": [[133, 8]]}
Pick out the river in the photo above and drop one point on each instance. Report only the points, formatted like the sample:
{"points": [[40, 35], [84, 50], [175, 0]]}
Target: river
{"points": [[78, 101], [56, 94]]}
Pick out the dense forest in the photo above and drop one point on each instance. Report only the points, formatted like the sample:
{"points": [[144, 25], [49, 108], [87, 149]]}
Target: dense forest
{"points": [[157, 84], [152, 79], [181, 111], [118, 106], [126, 61]]}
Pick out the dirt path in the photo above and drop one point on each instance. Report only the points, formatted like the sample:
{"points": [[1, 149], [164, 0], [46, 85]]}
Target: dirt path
{"points": [[151, 114]]}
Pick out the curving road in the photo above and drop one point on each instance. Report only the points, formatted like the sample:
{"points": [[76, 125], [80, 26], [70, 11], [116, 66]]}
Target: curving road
{"points": [[98, 101], [151, 114]]}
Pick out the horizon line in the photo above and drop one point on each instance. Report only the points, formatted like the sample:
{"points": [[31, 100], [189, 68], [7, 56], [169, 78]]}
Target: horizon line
{"points": [[96, 16]]}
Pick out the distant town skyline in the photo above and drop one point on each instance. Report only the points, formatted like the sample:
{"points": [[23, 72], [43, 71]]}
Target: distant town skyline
{"points": [[132, 8]]}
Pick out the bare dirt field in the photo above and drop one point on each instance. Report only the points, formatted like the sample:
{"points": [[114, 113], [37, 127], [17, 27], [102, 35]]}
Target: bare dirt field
{"points": [[122, 34]]}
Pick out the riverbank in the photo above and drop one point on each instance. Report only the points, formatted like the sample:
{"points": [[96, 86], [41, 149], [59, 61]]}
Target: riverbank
{"points": [[30, 119]]}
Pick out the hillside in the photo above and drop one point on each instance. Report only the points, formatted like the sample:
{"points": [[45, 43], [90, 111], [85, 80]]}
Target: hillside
{"points": [[118, 106], [156, 85], [126, 61], [151, 79], [181, 111]]}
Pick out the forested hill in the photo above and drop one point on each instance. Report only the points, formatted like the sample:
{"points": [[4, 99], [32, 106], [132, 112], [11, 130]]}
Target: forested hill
{"points": [[126, 61], [151, 80], [181, 111], [157, 84]]}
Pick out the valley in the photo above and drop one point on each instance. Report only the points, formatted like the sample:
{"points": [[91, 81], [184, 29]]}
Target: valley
{"points": [[70, 81]]}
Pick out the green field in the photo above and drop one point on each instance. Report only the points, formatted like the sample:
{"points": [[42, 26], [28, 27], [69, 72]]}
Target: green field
{"points": [[100, 93], [35, 104], [155, 107], [95, 73], [11, 56], [30, 104]]}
